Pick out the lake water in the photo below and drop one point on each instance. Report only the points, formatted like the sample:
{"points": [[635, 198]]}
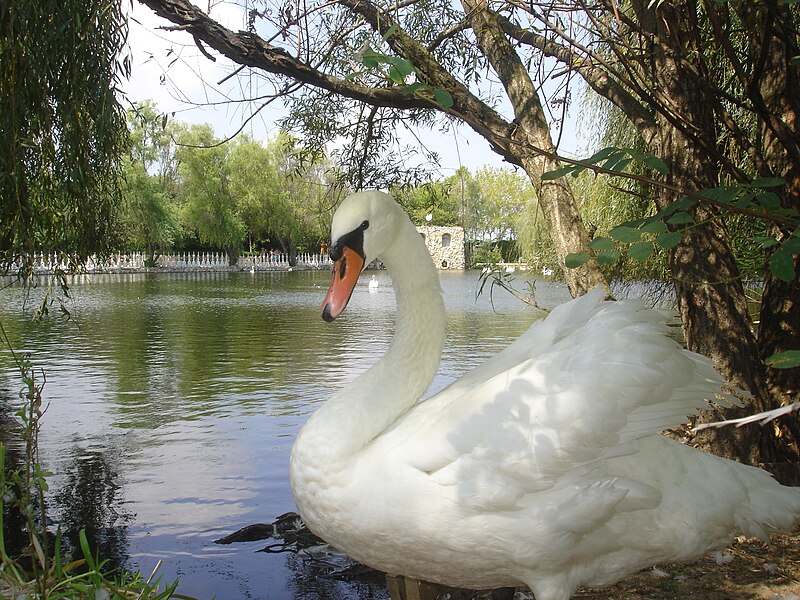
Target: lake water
{"points": [[173, 401]]}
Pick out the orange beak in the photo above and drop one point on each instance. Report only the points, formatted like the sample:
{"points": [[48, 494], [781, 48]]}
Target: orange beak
{"points": [[345, 275]]}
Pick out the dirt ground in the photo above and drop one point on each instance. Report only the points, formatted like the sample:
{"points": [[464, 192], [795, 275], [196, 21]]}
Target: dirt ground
{"points": [[751, 570]]}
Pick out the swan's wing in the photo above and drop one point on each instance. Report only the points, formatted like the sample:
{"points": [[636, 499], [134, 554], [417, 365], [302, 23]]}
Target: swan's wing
{"points": [[602, 375]]}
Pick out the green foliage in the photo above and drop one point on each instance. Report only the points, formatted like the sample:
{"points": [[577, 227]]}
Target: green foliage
{"points": [[400, 72], [638, 238], [207, 204], [486, 254], [789, 359], [434, 198], [62, 129]]}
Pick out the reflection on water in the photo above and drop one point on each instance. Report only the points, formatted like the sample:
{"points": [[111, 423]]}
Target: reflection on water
{"points": [[174, 400]]}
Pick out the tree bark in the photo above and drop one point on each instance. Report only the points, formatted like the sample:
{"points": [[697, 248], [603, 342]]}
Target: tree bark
{"points": [[567, 229], [708, 284]]}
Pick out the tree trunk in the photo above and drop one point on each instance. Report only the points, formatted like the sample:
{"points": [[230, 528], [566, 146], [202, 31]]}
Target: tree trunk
{"points": [[777, 98], [566, 227], [708, 285]]}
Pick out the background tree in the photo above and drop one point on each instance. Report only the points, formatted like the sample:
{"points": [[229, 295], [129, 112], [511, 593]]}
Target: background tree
{"points": [[208, 206], [149, 218], [62, 129]]}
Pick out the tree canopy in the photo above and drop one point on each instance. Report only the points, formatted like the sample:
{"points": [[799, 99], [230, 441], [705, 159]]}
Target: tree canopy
{"points": [[62, 127]]}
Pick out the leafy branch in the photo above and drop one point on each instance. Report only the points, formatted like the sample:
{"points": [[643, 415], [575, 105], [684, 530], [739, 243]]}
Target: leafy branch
{"points": [[639, 238], [400, 72]]}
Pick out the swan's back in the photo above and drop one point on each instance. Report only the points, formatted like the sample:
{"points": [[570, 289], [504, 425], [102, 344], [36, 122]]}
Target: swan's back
{"points": [[547, 455]]}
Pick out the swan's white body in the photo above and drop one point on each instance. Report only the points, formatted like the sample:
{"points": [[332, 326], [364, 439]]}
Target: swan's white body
{"points": [[541, 467]]}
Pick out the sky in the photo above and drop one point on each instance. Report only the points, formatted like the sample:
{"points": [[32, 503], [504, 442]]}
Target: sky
{"points": [[167, 67]]}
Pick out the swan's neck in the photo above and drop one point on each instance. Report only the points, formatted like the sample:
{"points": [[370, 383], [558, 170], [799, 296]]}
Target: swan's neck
{"points": [[363, 410]]}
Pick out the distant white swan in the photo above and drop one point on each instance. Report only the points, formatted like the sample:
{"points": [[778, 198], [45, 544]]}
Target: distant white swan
{"points": [[373, 284], [542, 467]]}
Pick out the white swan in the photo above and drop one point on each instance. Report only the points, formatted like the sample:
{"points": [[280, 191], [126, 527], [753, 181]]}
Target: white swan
{"points": [[542, 467], [373, 284]]}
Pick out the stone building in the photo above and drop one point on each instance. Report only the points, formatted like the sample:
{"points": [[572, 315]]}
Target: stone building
{"points": [[446, 245]]}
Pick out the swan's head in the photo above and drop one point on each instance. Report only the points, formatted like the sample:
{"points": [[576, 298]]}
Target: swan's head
{"points": [[364, 226]]}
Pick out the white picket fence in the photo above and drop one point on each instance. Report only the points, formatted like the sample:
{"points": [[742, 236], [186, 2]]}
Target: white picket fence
{"points": [[189, 262]]}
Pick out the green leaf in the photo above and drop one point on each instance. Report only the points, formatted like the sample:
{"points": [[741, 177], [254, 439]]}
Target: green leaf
{"points": [[87, 553], [641, 251], [390, 32], [635, 154], [781, 265], [680, 218], [403, 66], [396, 76], [626, 235], [767, 182], [601, 243], [370, 58], [792, 245], [560, 172], [601, 155], [766, 241], [784, 360], [654, 227], [669, 239], [613, 159], [769, 200], [576, 259], [606, 257], [443, 97], [720, 194], [656, 164], [795, 60]]}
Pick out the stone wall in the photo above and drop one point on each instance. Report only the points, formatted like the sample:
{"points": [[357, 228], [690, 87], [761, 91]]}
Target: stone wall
{"points": [[446, 245]]}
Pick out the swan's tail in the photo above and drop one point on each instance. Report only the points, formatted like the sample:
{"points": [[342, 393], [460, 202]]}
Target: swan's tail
{"points": [[772, 508]]}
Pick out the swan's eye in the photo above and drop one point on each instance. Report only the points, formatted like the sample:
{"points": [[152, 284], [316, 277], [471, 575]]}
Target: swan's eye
{"points": [[364, 225]]}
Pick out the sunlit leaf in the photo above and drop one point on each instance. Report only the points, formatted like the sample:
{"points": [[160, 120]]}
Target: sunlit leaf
{"points": [[784, 360]]}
